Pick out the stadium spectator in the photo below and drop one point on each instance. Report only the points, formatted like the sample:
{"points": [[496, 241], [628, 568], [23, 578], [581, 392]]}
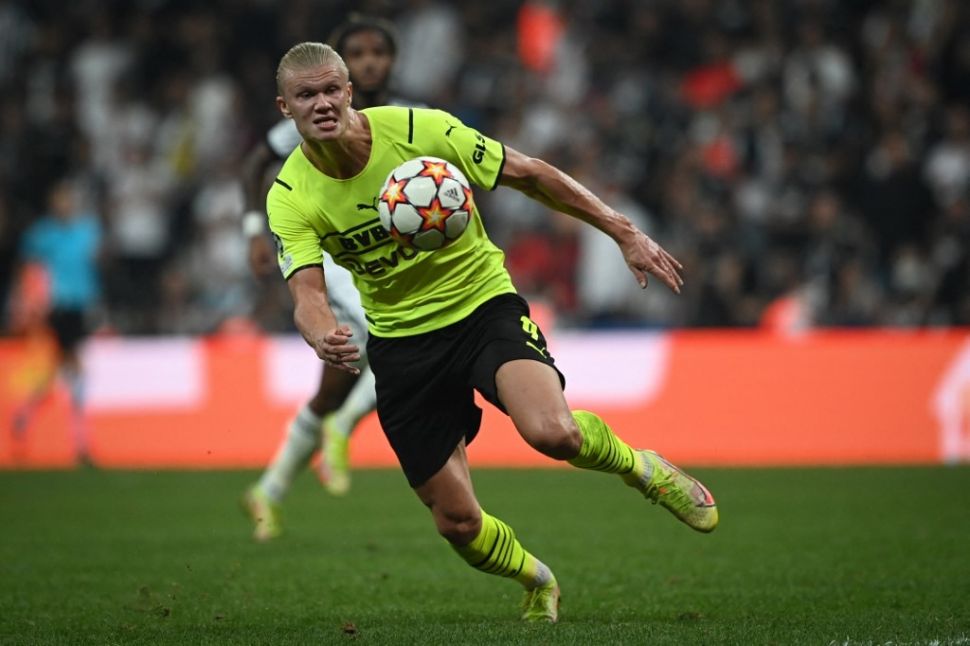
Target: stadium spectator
{"points": [[432, 49], [755, 106], [443, 325]]}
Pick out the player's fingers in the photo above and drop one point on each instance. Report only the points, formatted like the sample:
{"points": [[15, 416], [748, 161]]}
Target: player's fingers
{"points": [[343, 358], [672, 265], [338, 337], [340, 353], [670, 258], [344, 352], [345, 330], [640, 275], [668, 276], [344, 367], [676, 274], [671, 269]]}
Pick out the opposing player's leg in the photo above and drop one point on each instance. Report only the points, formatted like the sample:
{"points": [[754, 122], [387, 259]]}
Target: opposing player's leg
{"points": [[264, 512], [302, 439], [73, 376], [70, 329], [44, 387], [531, 392], [334, 467], [24, 414], [485, 542]]}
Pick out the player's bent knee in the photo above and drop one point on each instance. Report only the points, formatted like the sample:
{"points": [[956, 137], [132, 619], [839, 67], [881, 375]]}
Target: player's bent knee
{"points": [[459, 529], [558, 438]]}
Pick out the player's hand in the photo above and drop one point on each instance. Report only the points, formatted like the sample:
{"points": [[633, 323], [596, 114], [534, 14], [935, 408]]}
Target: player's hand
{"points": [[336, 350], [644, 256], [262, 256]]}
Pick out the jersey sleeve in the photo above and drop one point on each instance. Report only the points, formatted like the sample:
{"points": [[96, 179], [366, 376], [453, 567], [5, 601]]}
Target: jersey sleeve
{"points": [[283, 138], [297, 244], [479, 157]]}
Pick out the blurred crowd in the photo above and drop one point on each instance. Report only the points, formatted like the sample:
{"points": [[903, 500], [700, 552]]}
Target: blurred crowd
{"points": [[807, 160]]}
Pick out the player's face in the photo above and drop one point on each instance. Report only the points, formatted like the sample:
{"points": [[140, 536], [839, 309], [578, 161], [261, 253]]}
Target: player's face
{"points": [[318, 101], [369, 59]]}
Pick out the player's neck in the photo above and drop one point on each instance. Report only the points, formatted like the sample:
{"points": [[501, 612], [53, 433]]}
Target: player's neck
{"points": [[345, 157]]}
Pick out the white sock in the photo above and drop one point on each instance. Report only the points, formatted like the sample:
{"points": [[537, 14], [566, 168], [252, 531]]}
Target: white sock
{"points": [[543, 576], [301, 441], [361, 400], [78, 423]]}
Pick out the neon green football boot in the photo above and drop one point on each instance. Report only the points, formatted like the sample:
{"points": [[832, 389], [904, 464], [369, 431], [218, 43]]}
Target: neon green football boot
{"points": [[335, 464], [264, 513], [684, 496], [542, 603]]}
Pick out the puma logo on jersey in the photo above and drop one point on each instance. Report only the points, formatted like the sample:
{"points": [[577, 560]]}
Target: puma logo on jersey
{"points": [[541, 351], [450, 128], [372, 206]]}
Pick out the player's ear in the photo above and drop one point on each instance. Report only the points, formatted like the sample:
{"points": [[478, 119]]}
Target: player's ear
{"points": [[350, 93], [281, 104]]}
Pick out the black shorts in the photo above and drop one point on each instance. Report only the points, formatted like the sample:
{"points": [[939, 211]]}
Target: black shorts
{"points": [[426, 382], [69, 327]]}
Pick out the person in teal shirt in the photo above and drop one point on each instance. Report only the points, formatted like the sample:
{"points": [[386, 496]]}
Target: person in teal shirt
{"points": [[66, 242]]}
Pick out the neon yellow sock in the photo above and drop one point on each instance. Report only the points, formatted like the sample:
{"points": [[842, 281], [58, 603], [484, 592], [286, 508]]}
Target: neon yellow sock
{"points": [[601, 449], [496, 551]]}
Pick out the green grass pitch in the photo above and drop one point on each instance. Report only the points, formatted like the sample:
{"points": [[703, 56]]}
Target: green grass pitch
{"points": [[802, 556]]}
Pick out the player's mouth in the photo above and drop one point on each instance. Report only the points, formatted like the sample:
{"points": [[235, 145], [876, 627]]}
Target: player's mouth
{"points": [[325, 123]]}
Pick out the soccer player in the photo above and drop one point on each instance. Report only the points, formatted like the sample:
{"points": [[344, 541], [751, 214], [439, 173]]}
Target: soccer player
{"points": [[445, 323], [66, 243], [368, 45]]}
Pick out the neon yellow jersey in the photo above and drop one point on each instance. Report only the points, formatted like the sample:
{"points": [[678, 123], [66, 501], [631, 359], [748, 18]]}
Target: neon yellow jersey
{"points": [[403, 291]]}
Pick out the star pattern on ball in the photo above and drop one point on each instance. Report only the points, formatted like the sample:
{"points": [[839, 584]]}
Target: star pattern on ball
{"points": [[437, 171], [434, 216], [394, 194]]}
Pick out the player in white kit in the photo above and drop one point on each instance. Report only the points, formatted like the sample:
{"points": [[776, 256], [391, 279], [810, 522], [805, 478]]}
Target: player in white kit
{"points": [[342, 399]]}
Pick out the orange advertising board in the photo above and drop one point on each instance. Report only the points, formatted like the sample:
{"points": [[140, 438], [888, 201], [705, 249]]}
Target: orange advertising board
{"points": [[706, 398]]}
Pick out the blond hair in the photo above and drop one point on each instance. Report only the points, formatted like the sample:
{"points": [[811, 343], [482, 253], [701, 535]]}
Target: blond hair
{"points": [[306, 55]]}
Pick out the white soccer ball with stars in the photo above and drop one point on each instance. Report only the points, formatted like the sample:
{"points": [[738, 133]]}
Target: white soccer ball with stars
{"points": [[425, 203]]}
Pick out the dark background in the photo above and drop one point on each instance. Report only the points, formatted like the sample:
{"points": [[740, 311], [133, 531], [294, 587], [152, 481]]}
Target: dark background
{"points": [[814, 153]]}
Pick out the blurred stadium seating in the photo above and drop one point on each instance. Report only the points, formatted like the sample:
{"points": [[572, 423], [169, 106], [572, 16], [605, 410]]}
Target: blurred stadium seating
{"points": [[807, 150]]}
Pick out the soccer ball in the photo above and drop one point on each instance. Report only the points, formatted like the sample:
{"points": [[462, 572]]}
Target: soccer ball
{"points": [[425, 203]]}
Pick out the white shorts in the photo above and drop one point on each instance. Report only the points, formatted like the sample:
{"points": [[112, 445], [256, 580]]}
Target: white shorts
{"points": [[345, 301]]}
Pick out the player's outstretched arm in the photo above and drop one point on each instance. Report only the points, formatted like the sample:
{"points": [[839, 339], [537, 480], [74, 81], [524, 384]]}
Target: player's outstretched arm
{"points": [[262, 256], [557, 190], [316, 322]]}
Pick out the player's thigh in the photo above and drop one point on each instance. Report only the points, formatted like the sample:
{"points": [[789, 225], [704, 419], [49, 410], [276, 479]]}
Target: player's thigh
{"points": [[515, 370], [504, 333], [532, 394], [425, 405]]}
